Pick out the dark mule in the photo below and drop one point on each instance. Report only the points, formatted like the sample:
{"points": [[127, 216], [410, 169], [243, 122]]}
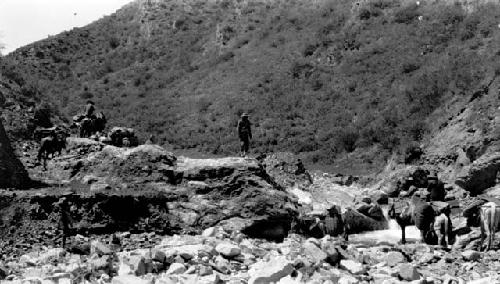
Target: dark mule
{"points": [[50, 146], [415, 212], [88, 126]]}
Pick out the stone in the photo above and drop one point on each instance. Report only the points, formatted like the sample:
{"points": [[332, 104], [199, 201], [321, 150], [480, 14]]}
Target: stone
{"points": [[100, 248], [12, 172], [270, 271], [176, 268], [479, 175], [394, 258], [209, 232], [228, 250], [158, 255], [129, 279], [313, 252], [352, 266], [471, 255], [205, 270], [221, 264], [408, 272]]}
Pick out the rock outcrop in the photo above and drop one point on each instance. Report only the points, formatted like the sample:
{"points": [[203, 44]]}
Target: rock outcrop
{"points": [[480, 175], [12, 172]]}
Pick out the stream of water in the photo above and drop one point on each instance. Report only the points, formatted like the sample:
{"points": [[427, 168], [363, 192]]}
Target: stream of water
{"points": [[392, 235]]}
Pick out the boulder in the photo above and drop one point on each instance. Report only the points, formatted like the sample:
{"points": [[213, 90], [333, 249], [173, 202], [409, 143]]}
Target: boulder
{"points": [[408, 272], [471, 255], [479, 175], [12, 172], [358, 222], [270, 271], [313, 252], [394, 258], [283, 168], [228, 250], [176, 268], [209, 232], [352, 266]]}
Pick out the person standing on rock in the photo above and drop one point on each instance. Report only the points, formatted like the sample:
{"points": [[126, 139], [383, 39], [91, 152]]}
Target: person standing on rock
{"points": [[89, 109], [245, 134], [65, 220]]}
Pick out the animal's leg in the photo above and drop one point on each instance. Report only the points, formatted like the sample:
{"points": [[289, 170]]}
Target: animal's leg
{"points": [[482, 237], [422, 237], [403, 235]]}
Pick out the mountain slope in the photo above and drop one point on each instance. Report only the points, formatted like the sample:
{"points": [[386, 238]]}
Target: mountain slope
{"points": [[345, 83]]}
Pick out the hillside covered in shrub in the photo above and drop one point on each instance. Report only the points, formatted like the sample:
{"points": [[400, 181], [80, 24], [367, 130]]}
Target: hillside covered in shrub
{"points": [[334, 80]]}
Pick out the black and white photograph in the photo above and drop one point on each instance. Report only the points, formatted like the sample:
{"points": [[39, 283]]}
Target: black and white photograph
{"points": [[249, 141]]}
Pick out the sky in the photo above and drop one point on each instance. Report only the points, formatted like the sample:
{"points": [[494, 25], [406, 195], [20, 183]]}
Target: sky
{"points": [[26, 21]]}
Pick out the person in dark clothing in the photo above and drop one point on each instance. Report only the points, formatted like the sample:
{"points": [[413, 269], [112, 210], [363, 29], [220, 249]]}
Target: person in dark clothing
{"points": [[89, 109], [333, 224], [244, 133], [65, 220], [435, 188]]}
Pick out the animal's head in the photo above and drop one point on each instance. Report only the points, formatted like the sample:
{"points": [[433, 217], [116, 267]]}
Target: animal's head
{"points": [[392, 211]]}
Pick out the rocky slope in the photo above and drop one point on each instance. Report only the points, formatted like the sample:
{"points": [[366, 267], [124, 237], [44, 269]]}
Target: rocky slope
{"points": [[322, 79]]}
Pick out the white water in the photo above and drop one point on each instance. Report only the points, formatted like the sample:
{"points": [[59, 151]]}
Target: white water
{"points": [[391, 235]]}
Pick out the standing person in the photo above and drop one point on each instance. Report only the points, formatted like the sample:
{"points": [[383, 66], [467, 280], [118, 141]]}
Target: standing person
{"points": [[65, 220], [245, 134], [89, 109], [334, 224]]}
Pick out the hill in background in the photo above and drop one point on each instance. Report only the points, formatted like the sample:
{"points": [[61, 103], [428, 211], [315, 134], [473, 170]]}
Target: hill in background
{"points": [[343, 83]]}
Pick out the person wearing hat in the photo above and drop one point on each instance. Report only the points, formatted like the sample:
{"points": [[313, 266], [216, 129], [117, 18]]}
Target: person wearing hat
{"points": [[244, 133], [89, 109], [435, 188]]}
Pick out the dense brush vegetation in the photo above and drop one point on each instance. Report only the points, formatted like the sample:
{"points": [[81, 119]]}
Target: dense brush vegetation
{"points": [[329, 78]]}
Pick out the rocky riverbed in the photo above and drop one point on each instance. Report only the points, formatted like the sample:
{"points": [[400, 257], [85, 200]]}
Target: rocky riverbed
{"points": [[143, 215], [222, 255]]}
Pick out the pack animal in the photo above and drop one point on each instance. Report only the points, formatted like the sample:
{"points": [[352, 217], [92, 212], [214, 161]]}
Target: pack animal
{"points": [[490, 220], [50, 146], [415, 212], [90, 126]]}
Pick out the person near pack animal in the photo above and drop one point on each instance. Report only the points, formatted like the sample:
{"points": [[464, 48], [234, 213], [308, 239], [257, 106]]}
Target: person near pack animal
{"points": [[443, 227], [89, 109], [435, 188], [333, 224], [244, 133], [65, 220]]}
